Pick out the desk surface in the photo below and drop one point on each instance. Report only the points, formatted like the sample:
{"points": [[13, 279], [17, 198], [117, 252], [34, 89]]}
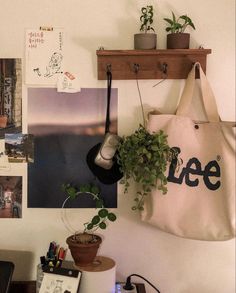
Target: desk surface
{"points": [[30, 287]]}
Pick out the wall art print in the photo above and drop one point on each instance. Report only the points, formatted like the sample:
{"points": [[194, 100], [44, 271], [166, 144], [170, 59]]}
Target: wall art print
{"points": [[19, 147], [10, 196], [65, 127], [10, 96], [44, 55]]}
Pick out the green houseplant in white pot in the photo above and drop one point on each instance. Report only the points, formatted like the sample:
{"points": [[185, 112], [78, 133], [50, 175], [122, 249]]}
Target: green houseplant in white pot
{"points": [[177, 38], [147, 38], [84, 245]]}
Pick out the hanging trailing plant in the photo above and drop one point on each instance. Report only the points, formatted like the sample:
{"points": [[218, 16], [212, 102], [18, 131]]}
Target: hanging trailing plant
{"points": [[143, 158]]}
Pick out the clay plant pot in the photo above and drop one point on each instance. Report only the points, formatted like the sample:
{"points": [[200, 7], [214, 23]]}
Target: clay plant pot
{"points": [[83, 254], [3, 121], [144, 41], [178, 41]]}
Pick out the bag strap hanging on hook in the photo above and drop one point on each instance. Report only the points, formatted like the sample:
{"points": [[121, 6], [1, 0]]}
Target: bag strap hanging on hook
{"points": [[109, 80], [164, 72], [136, 70]]}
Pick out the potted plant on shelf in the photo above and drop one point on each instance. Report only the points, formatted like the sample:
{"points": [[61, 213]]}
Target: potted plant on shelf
{"points": [[147, 38], [143, 158], [177, 38], [84, 245]]}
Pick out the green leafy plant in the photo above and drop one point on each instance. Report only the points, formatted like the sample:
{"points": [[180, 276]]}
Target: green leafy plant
{"points": [[146, 19], [102, 216], [143, 158], [178, 25]]}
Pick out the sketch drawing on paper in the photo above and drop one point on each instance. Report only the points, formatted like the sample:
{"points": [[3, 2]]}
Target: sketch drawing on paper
{"points": [[44, 56], [54, 65], [57, 283], [36, 70]]}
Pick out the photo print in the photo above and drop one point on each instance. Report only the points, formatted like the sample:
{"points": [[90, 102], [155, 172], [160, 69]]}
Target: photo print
{"points": [[65, 127], [19, 147], [4, 163], [10, 197], [10, 96]]}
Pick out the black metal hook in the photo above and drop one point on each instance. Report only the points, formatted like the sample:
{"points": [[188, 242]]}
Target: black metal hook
{"points": [[164, 71], [136, 68], [164, 67], [109, 68]]}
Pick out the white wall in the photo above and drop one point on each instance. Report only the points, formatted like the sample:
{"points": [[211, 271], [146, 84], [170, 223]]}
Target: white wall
{"points": [[175, 265]]}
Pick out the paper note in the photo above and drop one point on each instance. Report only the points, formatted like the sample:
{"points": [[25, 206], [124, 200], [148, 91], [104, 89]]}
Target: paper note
{"points": [[68, 83], [44, 56]]}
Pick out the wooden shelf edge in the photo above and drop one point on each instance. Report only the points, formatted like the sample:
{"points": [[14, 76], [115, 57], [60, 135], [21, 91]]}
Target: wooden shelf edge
{"points": [[153, 52]]}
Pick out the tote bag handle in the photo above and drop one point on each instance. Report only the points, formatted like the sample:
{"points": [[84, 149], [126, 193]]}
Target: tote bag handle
{"points": [[207, 95]]}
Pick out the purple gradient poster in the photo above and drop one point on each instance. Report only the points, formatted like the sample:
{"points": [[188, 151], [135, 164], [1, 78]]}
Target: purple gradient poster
{"points": [[65, 127]]}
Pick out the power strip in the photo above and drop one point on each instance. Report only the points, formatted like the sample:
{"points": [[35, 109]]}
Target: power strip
{"points": [[119, 288]]}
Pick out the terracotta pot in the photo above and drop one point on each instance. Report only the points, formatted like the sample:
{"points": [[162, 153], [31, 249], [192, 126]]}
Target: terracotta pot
{"points": [[3, 121], [144, 41], [83, 253], [178, 41]]}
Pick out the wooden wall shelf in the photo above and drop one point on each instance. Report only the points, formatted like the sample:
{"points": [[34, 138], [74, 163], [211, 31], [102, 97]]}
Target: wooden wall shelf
{"points": [[151, 64]]}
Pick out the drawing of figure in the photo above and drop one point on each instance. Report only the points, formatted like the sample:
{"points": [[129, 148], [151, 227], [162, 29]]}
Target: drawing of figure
{"points": [[36, 70], [58, 288], [54, 65]]}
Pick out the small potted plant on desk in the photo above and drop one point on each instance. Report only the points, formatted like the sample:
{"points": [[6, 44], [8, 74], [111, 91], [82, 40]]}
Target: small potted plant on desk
{"points": [[147, 38], [177, 38], [84, 246]]}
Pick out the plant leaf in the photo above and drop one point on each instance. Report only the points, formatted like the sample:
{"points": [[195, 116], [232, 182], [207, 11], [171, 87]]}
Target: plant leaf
{"points": [[103, 213], [95, 220], [111, 217], [89, 226], [102, 225]]}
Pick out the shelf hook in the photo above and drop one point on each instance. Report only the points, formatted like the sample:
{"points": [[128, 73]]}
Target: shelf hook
{"points": [[164, 67], [136, 68], [109, 68]]}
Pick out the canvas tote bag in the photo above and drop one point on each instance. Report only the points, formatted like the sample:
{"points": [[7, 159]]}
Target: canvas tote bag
{"points": [[200, 202]]}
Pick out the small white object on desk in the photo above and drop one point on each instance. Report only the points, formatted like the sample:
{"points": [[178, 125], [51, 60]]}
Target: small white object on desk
{"points": [[99, 277]]}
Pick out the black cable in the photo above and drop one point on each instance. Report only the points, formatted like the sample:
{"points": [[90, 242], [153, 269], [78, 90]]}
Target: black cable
{"points": [[109, 80], [128, 286]]}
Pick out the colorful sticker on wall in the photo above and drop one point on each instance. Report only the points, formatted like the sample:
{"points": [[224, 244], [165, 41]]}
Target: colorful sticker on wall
{"points": [[44, 55], [10, 96], [65, 127], [19, 147], [10, 196]]}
